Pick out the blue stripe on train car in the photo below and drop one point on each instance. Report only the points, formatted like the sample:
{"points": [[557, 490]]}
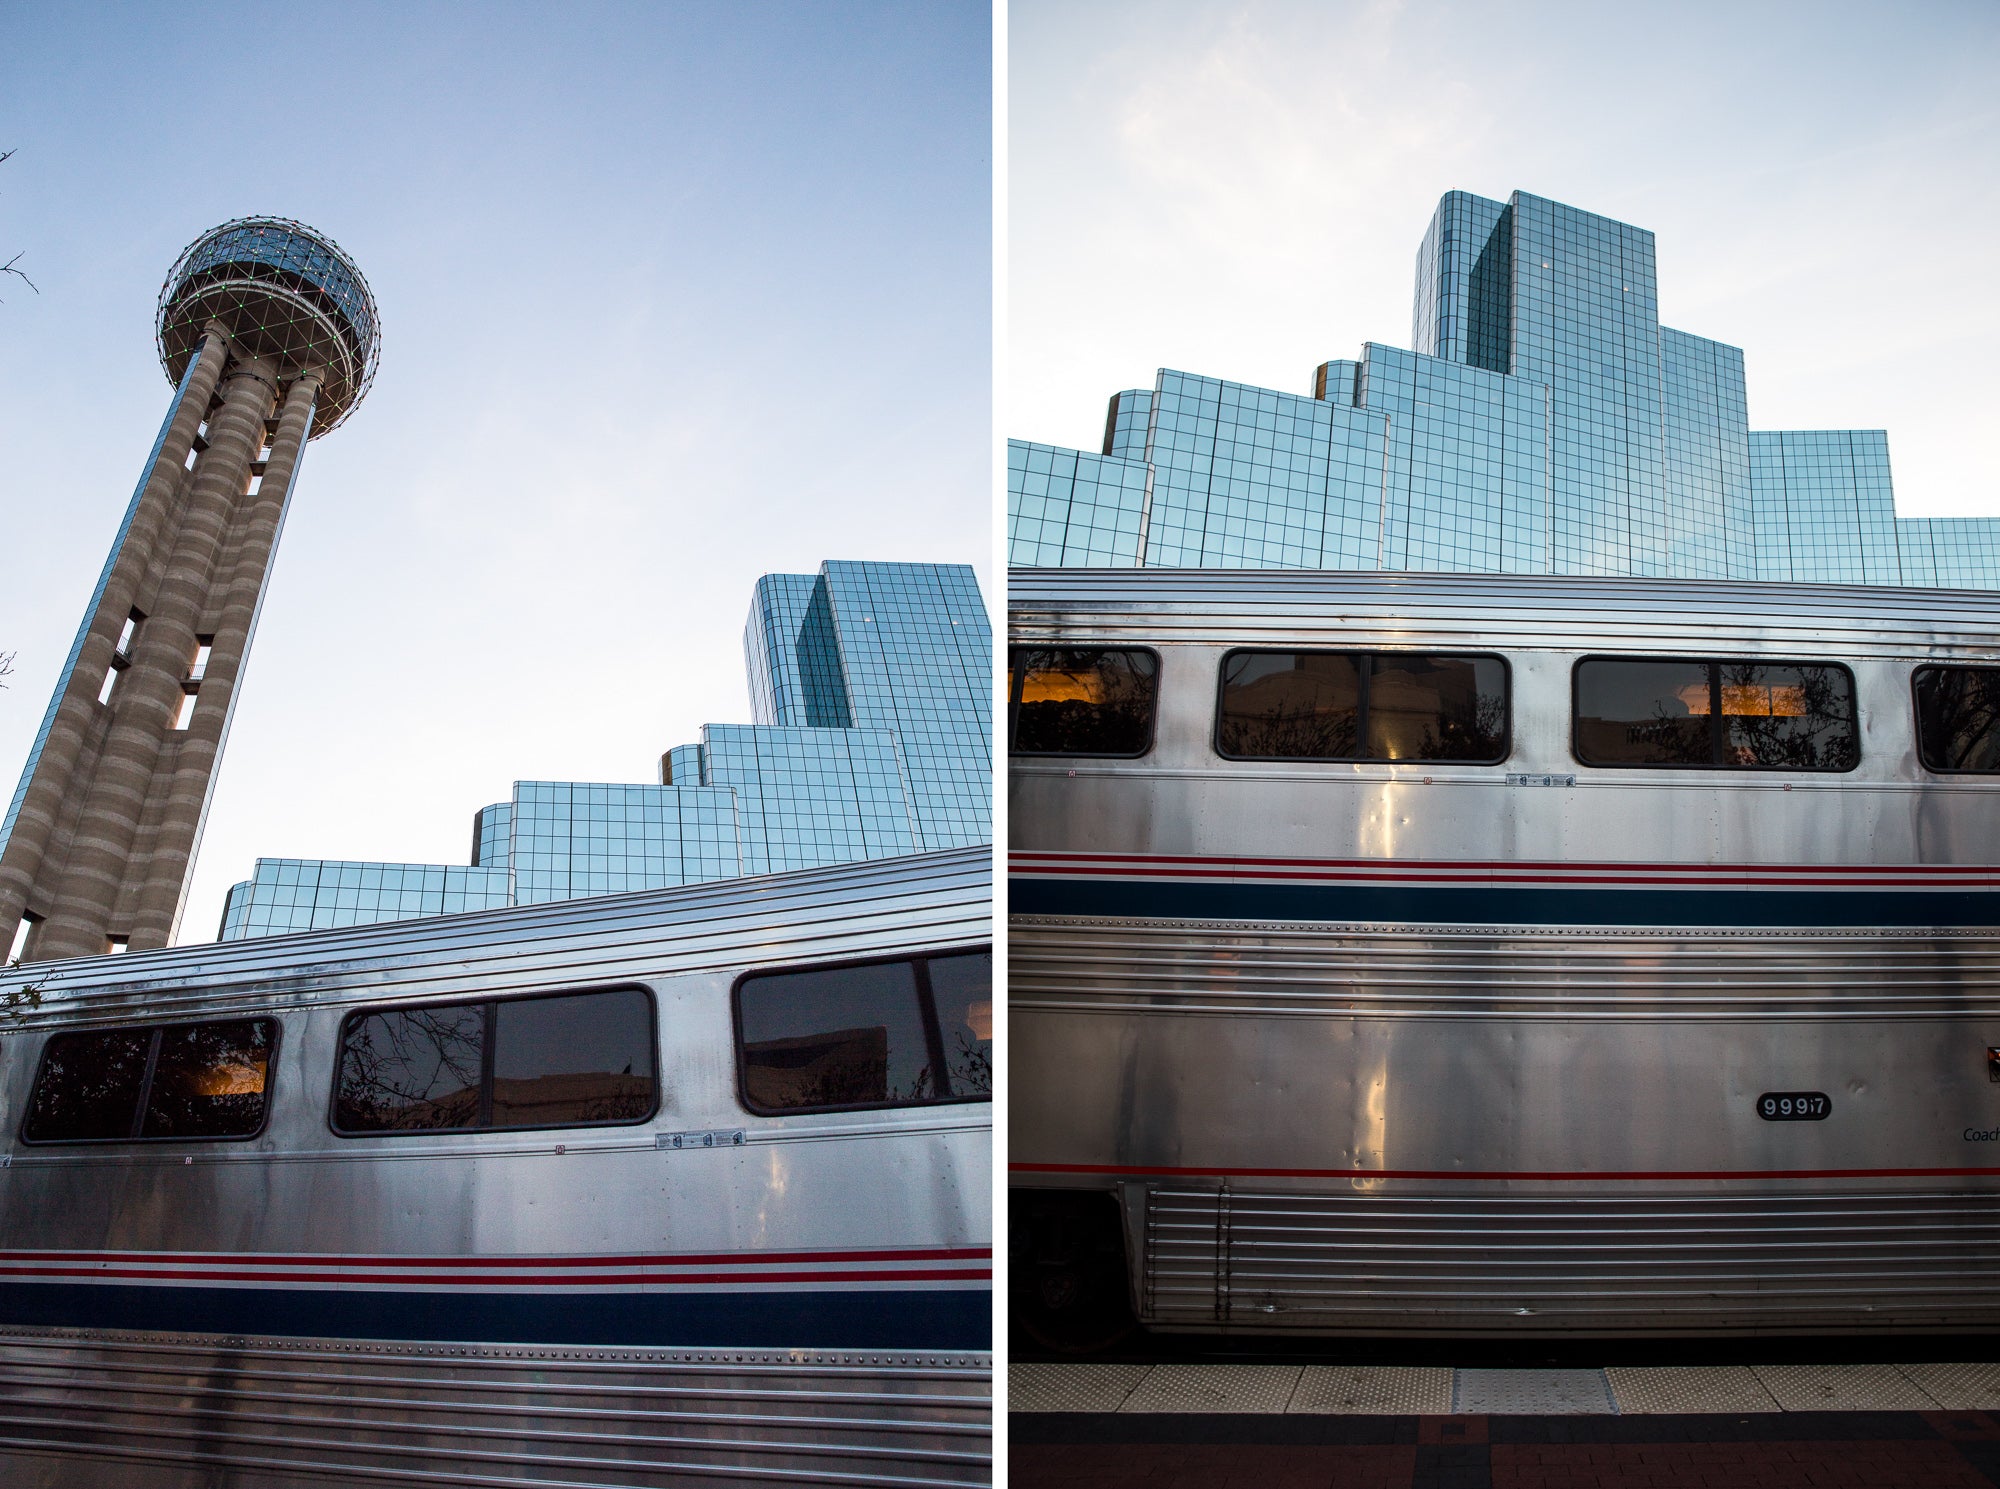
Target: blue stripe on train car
{"points": [[1498, 904], [942, 1318]]}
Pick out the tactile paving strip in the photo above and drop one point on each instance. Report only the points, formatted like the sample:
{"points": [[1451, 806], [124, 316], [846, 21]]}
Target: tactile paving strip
{"points": [[1958, 1387], [1375, 1390], [1698, 1388], [1218, 1388], [1843, 1388], [1530, 1392], [1071, 1387]]}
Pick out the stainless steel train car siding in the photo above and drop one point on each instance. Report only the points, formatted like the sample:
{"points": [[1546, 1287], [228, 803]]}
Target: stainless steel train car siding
{"points": [[708, 1292], [1384, 1047]]}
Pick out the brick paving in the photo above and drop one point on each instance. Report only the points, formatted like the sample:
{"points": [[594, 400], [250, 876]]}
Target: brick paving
{"points": [[1789, 1450]]}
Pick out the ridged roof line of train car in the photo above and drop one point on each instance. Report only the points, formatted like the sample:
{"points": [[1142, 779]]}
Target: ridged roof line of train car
{"points": [[938, 899], [1504, 609]]}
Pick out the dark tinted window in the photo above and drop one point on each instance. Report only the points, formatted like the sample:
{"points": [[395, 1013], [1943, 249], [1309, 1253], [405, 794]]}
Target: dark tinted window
{"points": [[208, 1080], [963, 989], [1090, 701], [411, 1069], [567, 1061], [559, 1061], [1716, 715], [1377, 706], [884, 1034], [1958, 718], [174, 1081]]}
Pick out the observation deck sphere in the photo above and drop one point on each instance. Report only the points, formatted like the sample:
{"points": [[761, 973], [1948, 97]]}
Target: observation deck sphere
{"points": [[286, 293]]}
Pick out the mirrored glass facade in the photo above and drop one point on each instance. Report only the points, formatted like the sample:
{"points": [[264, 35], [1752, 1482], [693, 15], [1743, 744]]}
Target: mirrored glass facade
{"points": [[1545, 423], [871, 700]]}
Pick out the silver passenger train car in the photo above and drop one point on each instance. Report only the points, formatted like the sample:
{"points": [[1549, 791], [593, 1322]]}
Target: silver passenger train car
{"points": [[1394, 953], [666, 1187]]}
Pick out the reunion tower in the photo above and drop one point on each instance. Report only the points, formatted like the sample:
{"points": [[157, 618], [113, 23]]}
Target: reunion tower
{"points": [[269, 335]]}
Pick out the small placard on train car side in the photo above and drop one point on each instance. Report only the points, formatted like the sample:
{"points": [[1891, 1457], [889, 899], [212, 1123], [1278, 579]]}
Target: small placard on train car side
{"points": [[1794, 1106]]}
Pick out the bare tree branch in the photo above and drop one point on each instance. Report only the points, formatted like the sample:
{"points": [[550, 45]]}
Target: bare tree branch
{"points": [[8, 267]]}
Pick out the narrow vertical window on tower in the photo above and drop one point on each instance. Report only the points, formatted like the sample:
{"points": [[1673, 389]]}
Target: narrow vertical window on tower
{"points": [[121, 654], [24, 937]]}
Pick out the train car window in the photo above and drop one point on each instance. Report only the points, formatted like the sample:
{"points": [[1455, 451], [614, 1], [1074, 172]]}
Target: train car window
{"points": [[570, 1060], [1958, 719], [1081, 701], [1713, 714], [890, 1033], [1388, 707], [963, 988], [208, 1080], [411, 1069], [167, 1083], [560, 1062]]}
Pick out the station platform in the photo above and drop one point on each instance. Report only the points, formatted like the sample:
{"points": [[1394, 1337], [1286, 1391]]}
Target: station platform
{"points": [[1287, 1426]]}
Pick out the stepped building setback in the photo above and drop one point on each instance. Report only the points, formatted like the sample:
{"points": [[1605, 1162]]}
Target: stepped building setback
{"points": [[871, 692], [1546, 423]]}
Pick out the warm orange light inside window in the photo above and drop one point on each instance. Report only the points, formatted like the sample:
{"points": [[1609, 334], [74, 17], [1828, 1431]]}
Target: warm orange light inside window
{"points": [[232, 1079], [1063, 687], [980, 1017], [1748, 700]]}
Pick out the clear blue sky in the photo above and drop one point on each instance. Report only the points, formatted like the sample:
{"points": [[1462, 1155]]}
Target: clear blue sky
{"points": [[1239, 190], [672, 296]]}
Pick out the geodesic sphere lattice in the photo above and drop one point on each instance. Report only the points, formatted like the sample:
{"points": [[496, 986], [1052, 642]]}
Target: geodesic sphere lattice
{"points": [[285, 292]]}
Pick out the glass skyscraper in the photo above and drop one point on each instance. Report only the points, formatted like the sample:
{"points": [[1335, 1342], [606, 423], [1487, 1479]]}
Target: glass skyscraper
{"points": [[871, 699], [1546, 423]]}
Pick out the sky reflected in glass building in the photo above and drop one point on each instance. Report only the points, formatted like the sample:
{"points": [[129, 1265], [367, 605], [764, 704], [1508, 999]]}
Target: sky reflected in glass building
{"points": [[871, 700], [1545, 423]]}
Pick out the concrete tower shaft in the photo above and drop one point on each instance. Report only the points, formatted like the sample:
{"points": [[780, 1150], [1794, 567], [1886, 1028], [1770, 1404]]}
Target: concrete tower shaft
{"points": [[97, 844]]}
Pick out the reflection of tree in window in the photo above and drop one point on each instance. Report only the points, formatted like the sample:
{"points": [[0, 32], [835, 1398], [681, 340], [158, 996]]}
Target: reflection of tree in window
{"points": [[1082, 702], [962, 990], [1355, 706], [89, 1086], [412, 1070], [208, 1080], [1958, 718], [1801, 718], [861, 1036]]}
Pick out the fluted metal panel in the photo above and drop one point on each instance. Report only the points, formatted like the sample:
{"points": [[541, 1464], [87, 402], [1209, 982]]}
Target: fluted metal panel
{"points": [[147, 1408], [1437, 972], [1268, 1258], [1367, 607]]}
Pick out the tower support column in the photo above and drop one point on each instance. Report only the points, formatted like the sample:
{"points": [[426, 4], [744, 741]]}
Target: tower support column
{"points": [[74, 726], [259, 317], [146, 699], [175, 818]]}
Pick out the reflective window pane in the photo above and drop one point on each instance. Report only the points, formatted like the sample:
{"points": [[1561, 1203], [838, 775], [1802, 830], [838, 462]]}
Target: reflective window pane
{"points": [[1088, 701], [209, 1079], [962, 988], [844, 1036], [1730, 714], [411, 1070], [89, 1086], [1788, 718], [582, 1058], [1436, 709], [1291, 705], [1644, 713], [1390, 707], [1958, 718]]}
